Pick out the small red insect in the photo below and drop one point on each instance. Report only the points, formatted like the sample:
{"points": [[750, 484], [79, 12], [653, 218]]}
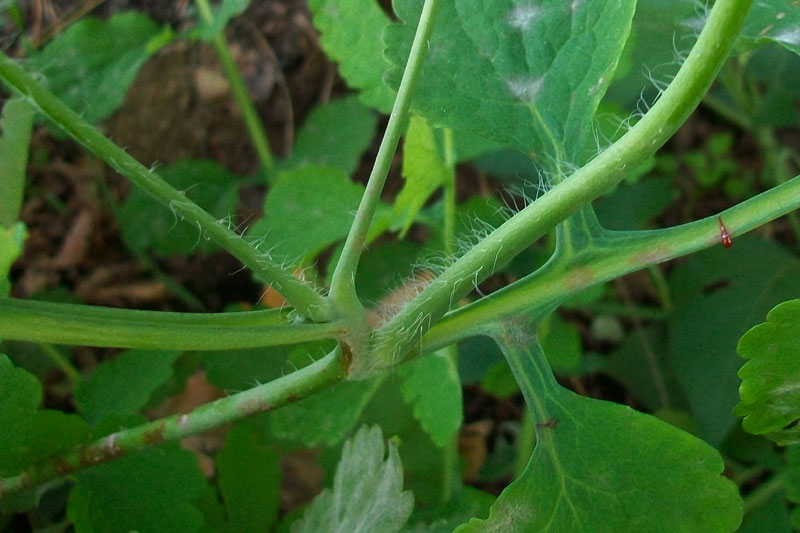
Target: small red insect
{"points": [[727, 242]]}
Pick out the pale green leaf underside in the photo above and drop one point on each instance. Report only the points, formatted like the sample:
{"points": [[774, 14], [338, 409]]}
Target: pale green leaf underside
{"points": [[367, 493], [770, 389], [599, 466], [15, 126], [91, 65], [351, 35], [431, 384], [527, 74]]}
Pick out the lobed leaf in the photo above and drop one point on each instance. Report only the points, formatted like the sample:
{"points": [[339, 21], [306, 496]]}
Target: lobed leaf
{"points": [[92, 64], [599, 466], [770, 389], [530, 75], [367, 492], [431, 384], [123, 385], [15, 126], [153, 490]]}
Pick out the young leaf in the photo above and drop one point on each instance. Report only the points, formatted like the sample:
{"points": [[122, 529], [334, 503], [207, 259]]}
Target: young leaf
{"points": [[220, 15], [306, 210], [432, 386], [530, 75], [604, 467], [326, 417], [146, 224], [29, 434], [708, 319], [335, 134], [250, 481], [770, 389], [423, 168], [151, 490], [123, 385], [92, 64], [15, 127], [367, 492], [351, 35]]}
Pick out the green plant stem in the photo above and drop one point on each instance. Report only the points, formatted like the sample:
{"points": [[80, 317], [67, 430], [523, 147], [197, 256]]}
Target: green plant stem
{"points": [[30, 320], [764, 492], [600, 175], [624, 252], [343, 291], [254, 126], [262, 398], [662, 289], [305, 299], [61, 362]]}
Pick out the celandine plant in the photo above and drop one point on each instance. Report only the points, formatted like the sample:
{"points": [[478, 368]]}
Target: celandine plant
{"points": [[458, 79]]}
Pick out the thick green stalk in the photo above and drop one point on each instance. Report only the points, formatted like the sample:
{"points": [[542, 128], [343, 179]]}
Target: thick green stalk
{"points": [[600, 175], [254, 127], [343, 291], [83, 325], [304, 298], [263, 398], [623, 252]]}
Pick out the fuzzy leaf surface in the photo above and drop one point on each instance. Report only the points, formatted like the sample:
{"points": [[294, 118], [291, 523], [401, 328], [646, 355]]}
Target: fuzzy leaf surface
{"points": [[527, 74], [92, 64], [335, 134], [152, 490], [600, 466], [367, 492], [15, 130], [770, 389], [123, 385], [431, 384], [30, 434], [250, 481], [351, 35]]}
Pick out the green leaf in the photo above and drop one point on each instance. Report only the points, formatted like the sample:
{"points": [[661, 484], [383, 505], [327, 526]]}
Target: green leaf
{"points": [[30, 435], [466, 503], [92, 64], [151, 491], [123, 385], [11, 240], [250, 481], [367, 492], [326, 417], [220, 16], [530, 75], [424, 170], [562, 344], [635, 206], [432, 386], [775, 21], [335, 134], [306, 210], [146, 224], [770, 389], [15, 126], [351, 35], [708, 319], [237, 370], [599, 466]]}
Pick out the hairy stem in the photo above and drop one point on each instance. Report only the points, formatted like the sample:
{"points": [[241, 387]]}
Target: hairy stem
{"points": [[254, 127], [600, 175], [84, 325], [342, 283], [267, 397], [304, 298]]}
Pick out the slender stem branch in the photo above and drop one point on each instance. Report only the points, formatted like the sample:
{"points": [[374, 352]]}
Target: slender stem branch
{"points": [[623, 252], [84, 325], [342, 283], [61, 362], [597, 177], [304, 298], [266, 397], [254, 126]]}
